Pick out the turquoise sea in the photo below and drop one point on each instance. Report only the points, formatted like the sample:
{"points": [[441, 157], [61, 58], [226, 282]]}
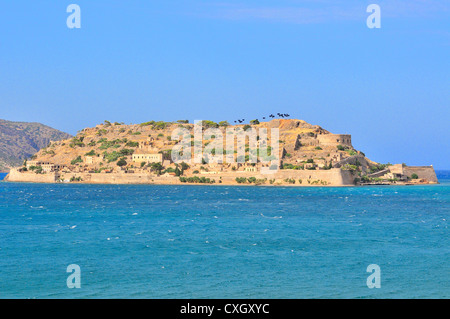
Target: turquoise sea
{"points": [[223, 242]]}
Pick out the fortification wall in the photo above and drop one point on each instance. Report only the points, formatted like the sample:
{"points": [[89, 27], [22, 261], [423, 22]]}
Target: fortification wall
{"points": [[335, 139], [120, 178], [396, 169], [30, 177], [424, 172], [333, 177]]}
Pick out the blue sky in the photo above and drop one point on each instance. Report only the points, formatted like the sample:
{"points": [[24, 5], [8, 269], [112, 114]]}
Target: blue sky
{"points": [[134, 61]]}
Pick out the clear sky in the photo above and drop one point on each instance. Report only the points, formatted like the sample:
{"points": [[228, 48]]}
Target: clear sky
{"points": [[135, 61]]}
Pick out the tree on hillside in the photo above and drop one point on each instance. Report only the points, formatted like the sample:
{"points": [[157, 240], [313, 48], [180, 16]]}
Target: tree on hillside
{"points": [[156, 167], [121, 162], [184, 166], [207, 124]]}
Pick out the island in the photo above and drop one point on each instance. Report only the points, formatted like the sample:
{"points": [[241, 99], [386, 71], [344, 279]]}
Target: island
{"points": [[308, 155]]}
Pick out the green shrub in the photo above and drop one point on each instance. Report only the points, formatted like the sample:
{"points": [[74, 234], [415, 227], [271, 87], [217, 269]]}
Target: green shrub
{"points": [[51, 152], [126, 152], [102, 132], [105, 144], [156, 167], [290, 181], [209, 124], [414, 176], [112, 157], [161, 125], [77, 142], [196, 179], [132, 144], [147, 123], [251, 179], [76, 160], [121, 162], [291, 166], [350, 167]]}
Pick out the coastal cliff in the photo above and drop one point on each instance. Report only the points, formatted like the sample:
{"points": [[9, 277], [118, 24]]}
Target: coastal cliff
{"points": [[308, 155]]}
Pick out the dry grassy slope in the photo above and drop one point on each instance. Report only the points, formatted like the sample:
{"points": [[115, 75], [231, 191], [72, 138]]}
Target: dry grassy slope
{"points": [[64, 152], [20, 140]]}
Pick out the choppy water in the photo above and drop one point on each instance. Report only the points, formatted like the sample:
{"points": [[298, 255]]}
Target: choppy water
{"points": [[223, 242]]}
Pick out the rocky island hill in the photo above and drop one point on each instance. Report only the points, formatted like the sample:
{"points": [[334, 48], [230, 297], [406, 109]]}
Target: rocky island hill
{"points": [[141, 154]]}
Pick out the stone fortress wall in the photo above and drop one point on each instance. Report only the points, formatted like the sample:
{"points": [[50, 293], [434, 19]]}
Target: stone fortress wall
{"points": [[335, 139], [16, 176], [332, 177], [423, 172]]}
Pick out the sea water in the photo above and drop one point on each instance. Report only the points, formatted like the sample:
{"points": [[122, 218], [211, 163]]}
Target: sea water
{"points": [[146, 241]]}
